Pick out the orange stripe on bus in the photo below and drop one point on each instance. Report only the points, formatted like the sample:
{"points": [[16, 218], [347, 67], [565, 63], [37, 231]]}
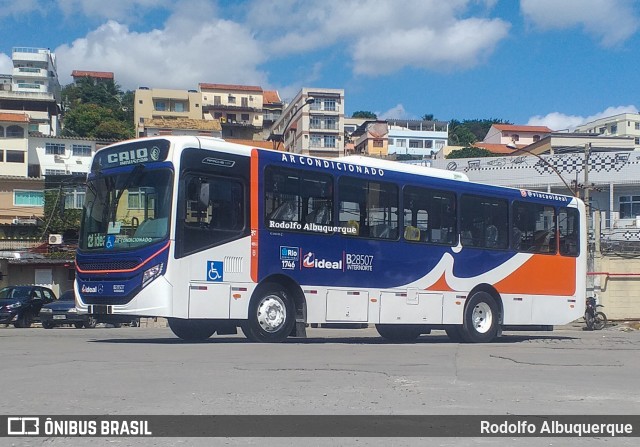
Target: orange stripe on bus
{"points": [[440, 285], [542, 275], [254, 213]]}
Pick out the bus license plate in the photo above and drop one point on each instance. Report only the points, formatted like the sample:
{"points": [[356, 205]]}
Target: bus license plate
{"points": [[59, 317]]}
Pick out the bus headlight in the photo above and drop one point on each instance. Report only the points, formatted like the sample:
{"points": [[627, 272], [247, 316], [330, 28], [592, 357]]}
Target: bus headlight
{"points": [[151, 274]]}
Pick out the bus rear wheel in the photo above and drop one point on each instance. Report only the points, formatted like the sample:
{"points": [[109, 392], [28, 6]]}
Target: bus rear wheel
{"points": [[192, 330], [480, 324], [399, 332], [271, 315]]}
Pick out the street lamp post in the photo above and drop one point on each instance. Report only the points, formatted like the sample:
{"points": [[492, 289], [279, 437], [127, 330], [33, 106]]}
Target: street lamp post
{"points": [[279, 137]]}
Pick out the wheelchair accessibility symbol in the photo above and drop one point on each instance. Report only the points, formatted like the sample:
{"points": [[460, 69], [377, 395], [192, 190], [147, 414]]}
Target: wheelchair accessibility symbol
{"points": [[110, 242], [215, 270]]}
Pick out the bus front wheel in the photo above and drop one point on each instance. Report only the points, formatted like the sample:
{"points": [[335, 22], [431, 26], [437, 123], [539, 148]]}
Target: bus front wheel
{"points": [[398, 332], [480, 323], [271, 315], [192, 330]]}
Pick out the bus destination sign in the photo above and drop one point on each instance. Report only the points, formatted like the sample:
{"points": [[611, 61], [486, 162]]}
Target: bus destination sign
{"points": [[131, 154]]}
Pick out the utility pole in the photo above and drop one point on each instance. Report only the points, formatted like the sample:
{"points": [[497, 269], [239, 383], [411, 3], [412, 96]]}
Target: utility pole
{"points": [[587, 154]]}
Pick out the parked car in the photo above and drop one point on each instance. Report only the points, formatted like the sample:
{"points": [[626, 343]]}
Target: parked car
{"points": [[21, 305], [63, 311]]}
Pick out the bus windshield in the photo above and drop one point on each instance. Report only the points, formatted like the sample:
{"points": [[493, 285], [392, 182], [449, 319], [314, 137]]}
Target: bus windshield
{"points": [[126, 210]]}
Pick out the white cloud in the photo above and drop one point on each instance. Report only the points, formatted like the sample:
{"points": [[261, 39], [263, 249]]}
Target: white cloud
{"points": [[18, 8], [397, 112], [560, 121], [193, 46], [6, 64], [609, 21], [381, 37]]}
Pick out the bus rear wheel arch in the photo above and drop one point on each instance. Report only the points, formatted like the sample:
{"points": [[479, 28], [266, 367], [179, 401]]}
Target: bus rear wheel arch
{"points": [[481, 319], [272, 314]]}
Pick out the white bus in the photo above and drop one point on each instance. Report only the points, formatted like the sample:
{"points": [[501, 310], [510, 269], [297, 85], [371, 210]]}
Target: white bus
{"points": [[215, 236]]}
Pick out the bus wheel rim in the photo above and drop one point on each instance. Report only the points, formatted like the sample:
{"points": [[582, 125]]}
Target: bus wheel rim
{"points": [[482, 317], [272, 313]]}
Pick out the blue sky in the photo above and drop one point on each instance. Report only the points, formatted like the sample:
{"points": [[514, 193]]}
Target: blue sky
{"points": [[552, 62]]}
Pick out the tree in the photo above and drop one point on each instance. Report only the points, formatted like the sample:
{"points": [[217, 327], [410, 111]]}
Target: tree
{"points": [[365, 115], [54, 220], [471, 152], [467, 132], [428, 117], [97, 109], [95, 121]]}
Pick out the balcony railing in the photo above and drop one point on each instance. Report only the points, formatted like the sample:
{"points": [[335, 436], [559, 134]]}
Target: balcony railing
{"points": [[323, 126], [207, 108]]}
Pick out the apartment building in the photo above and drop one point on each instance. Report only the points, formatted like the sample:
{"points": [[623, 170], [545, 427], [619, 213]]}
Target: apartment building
{"points": [[622, 125], [33, 88], [173, 106], [417, 138], [371, 138], [313, 123], [239, 108], [14, 129]]}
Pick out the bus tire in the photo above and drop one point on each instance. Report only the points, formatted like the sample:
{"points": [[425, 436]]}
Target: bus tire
{"points": [[192, 330], [455, 334], [271, 315], [480, 324], [398, 332]]}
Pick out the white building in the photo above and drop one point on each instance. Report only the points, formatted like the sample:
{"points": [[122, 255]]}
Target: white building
{"points": [[622, 125], [33, 89], [417, 138]]}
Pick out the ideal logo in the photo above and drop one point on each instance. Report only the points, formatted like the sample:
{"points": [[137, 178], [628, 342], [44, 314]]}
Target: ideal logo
{"points": [[309, 261]]}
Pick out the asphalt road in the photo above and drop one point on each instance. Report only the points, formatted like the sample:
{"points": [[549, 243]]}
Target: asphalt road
{"points": [[334, 371]]}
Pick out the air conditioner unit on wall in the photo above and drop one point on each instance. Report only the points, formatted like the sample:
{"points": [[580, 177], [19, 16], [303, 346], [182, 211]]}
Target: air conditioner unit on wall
{"points": [[55, 239]]}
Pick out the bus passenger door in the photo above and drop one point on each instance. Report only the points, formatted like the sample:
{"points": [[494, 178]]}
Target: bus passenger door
{"points": [[411, 307], [207, 300]]}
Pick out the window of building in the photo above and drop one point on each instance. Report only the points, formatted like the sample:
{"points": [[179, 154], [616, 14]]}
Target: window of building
{"points": [[515, 137], [217, 115], [81, 150], [15, 156], [28, 198], [378, 143], [368, 208], [330, 104], [244, 117], [390, 141], [415, 144], [637, 126], [54, 148], [231, 99], [331, 123], [614, 128], [484, 222], [401, 142], [160, 106], [1, 132], [329, 141], [55, 172], [629, 207], [315, 141], [244, 101], [15, 132], [1, 155], [179, 107], [428, 144], [231, 117], [536, 138], [315, 122], [217, 100], [637, 140]]}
